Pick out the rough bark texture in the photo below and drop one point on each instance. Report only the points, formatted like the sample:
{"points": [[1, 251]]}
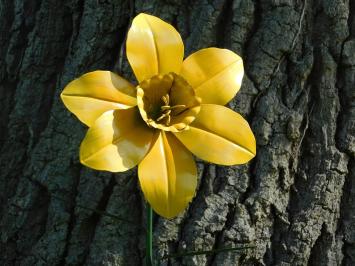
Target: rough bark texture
{"points": [[295, 201]]}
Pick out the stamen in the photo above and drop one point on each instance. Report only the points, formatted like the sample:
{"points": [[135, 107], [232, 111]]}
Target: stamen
{"points": [[164, 115], [165, 107], [166, 99], [161, 117], [178, 106]]}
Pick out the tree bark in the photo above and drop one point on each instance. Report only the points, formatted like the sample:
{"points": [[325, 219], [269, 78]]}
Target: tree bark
{"points": [[295, 201]]}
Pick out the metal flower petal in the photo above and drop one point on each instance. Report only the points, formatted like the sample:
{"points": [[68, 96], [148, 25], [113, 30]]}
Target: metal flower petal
{"points": [[96, 92], [219, 135], [168, 176], [153, 47], [116, 142], [215, 74]]}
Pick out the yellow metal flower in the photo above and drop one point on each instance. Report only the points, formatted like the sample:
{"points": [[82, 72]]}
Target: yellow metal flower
{"points": [[176, 109]]}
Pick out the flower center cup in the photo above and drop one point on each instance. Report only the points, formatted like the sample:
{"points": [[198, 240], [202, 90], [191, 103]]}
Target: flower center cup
{"points": [[167, 102]]}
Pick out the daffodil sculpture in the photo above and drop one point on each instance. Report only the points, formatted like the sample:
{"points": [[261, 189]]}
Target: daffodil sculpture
{"points": [[176, 110]]}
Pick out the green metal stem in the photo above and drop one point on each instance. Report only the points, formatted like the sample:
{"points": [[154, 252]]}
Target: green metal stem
{"points": [[149, 240]]}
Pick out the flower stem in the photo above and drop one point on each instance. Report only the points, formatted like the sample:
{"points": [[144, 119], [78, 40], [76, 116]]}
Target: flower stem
{"points": [[149, 239]]}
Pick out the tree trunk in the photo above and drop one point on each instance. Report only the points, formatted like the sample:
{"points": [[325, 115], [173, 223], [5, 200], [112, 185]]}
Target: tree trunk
{"points": [[295, 202]]}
